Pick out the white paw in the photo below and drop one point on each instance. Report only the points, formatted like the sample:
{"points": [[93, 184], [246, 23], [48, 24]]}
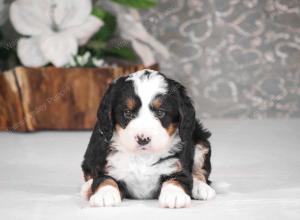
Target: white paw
{"points": [[86, 189], [172, 196], [106, 196], [202, 191]]}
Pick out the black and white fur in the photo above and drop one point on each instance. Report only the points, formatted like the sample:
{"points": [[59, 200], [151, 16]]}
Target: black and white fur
{"points": [[146, 139]]}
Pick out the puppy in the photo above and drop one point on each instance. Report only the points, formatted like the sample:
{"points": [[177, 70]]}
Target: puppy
{"points": [[147, 144]]}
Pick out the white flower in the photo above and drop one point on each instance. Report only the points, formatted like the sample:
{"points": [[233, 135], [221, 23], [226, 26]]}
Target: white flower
{"points": [[98, 62], [132, 29], [55, 28], [85, 60]]}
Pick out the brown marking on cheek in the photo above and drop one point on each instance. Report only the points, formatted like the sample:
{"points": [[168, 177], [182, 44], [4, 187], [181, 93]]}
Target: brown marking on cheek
{"points": [[156, 103], [130, 103], [171, 129], [199, 158], [118, 127]]}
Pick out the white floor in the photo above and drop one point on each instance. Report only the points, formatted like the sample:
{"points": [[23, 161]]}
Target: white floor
{"points": [[40, 176]]}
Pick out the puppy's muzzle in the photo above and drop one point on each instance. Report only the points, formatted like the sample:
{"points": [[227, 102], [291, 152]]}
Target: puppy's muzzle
{"points": [[142, 140]]}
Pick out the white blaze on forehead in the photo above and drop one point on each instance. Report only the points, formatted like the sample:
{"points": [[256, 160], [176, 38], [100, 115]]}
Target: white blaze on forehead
{"points": [[148, 86]]}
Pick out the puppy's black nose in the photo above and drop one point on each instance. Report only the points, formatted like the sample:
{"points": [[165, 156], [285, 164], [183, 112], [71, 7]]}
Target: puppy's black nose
{"points": [[142, 140]]}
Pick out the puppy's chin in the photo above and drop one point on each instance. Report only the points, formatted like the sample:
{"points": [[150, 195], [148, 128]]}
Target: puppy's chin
{"points": [[149, 150], [142, 150], [128, 145]]}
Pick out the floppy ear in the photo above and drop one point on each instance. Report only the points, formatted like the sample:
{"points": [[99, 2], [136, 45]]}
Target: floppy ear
{"points": [[98, 148], [104, 114], [187, 118]]}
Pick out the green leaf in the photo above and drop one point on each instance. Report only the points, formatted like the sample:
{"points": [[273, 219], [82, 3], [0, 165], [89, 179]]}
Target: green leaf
{"points": [[123, 53], [109, 27], [143, 4], [95, 45], [8, 55]]}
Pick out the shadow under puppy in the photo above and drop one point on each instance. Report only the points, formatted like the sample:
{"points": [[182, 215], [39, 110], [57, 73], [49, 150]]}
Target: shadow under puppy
{"points": [[147, 144]]}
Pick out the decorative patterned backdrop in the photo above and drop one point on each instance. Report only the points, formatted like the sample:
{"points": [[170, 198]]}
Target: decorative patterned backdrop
{"points": [[238, 58]]}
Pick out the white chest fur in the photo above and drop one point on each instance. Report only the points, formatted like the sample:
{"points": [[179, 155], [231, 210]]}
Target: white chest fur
{"points": [[138, 172]]}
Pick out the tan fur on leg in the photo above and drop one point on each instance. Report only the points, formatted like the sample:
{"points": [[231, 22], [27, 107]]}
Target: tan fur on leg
{"points": [[201, 190]]}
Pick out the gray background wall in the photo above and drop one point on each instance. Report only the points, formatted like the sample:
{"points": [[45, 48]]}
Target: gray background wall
{"points": [[238, 58]]}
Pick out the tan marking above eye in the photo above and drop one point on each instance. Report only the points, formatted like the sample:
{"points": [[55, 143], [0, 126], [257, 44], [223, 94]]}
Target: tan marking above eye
{"points": [[156, 103], [130, 103]]}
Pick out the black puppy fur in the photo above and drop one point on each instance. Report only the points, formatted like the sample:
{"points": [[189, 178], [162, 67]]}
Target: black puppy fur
{"points": [[190, 130]]}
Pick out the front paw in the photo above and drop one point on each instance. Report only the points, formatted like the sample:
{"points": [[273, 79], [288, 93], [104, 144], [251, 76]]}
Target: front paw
{"points": [[173, 196], [202, 191], [106, 196]]}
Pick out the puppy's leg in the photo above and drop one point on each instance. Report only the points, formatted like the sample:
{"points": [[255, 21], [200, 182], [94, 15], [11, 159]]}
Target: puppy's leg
{"points": [[173, 195], [202, 191], [107, 194], [201, 170], [86, 189]]}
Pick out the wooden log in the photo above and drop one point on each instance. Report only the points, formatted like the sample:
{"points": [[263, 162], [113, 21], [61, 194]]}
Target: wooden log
{"points": [[11, 111], [51, 98]]}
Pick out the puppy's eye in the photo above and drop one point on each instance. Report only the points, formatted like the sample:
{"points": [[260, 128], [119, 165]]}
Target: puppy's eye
{"points": [[160, 113], [128, 114]]}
